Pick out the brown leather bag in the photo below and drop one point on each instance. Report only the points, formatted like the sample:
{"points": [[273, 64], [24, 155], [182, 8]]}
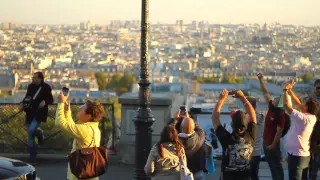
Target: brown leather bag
{"points": [[89, 162]]}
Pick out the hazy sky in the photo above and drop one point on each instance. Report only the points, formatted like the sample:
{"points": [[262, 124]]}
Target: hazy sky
{"points": [[306, 12]]}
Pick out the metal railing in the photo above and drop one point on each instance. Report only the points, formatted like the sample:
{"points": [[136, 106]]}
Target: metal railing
{"points": [[14, 136]]}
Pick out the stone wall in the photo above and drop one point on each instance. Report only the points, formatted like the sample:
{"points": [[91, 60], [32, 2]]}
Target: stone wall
{"points": [[161, 104]]}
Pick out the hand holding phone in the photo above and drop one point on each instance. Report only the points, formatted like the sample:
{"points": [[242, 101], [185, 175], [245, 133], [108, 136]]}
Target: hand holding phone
{"points": [[182, 110], [65, 91], [260, 75]]}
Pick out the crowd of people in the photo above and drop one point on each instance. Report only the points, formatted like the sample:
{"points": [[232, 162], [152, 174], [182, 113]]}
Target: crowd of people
{"points": [[182, 141], [182, 152]]}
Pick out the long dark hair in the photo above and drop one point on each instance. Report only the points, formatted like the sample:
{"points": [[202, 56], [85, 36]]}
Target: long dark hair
{"points": [[169, 134]]}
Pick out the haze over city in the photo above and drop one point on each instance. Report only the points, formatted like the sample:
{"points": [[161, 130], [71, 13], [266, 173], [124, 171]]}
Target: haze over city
{"points": [[294, 12]]}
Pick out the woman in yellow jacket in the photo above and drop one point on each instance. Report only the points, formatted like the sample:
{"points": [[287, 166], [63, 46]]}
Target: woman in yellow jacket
{"points": [[89, 116]]}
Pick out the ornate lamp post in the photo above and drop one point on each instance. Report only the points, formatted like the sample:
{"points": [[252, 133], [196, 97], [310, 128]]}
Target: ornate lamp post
{"points": [[144, 119]]}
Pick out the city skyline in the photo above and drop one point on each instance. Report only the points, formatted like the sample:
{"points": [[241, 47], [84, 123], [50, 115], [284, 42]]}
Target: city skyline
{"points": [[294, 12]]}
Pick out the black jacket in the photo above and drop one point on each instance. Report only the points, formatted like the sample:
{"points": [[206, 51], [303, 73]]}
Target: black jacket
{"points": [[40, 114], [194, 147]]}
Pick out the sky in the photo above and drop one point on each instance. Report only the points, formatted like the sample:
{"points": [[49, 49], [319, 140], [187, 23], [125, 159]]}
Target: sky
{"points": [[297, 12]]}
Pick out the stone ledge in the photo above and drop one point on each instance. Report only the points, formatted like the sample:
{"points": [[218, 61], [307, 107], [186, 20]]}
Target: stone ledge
{"points": [[157, 99]]}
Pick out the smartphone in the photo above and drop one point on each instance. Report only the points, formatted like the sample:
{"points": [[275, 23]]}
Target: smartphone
{"points": [[65, 91], [231, 93], [182, 109]]}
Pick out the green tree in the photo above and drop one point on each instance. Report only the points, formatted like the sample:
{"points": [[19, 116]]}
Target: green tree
{"points": [[239, 80], [114, 82], [121, 90], [225, 80], [101, 80], [211, 80], [127, 80], [307, 77], [4, 94], [199, 79]]}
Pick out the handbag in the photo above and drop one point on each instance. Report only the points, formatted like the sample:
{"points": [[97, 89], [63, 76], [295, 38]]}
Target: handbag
{"points": [[185, 173], [89, 162]]}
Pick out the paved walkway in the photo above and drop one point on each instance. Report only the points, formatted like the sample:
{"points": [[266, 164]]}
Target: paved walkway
{"points": [[53, 167]]}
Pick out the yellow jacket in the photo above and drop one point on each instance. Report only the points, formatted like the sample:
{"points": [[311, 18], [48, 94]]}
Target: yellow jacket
{"points": [[81, 132]]}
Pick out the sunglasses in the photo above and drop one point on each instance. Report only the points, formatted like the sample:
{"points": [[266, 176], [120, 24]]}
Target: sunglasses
{"points": [[317, 88]]}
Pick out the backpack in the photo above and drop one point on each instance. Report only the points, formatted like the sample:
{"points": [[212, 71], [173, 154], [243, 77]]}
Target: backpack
{"points": [[239, 155], [287, 124]]}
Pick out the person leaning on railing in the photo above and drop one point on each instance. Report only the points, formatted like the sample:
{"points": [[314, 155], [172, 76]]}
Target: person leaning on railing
{"points": [[86, 133]]}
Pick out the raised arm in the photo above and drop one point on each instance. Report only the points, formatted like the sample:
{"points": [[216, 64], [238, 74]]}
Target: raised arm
{"points": [[216, 112], [64, 120], [247, 105], [289, 92], [265, 92], [294, 98]]}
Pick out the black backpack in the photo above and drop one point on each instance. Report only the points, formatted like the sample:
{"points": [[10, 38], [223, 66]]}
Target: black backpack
{"points": [[239, 155], [287, 125]]}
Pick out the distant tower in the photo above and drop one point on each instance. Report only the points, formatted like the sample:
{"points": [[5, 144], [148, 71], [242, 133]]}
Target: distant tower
{"points": [[82, 26], [195, 87], [31, 65], [265, 27], [201, 34], [53, 64]]}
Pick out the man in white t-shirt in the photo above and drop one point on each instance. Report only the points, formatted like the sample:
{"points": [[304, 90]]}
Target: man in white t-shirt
{"points": [[302, 123]]}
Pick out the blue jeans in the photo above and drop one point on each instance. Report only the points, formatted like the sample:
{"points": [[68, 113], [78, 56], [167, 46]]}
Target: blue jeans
{"points": [[273, 158], [310, 173], [199, 175], [296, 166], [32, 133], [255, 162]]}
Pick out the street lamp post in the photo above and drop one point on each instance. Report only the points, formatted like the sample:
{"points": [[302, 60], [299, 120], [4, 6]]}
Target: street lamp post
{"points": [[144, 119]]}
